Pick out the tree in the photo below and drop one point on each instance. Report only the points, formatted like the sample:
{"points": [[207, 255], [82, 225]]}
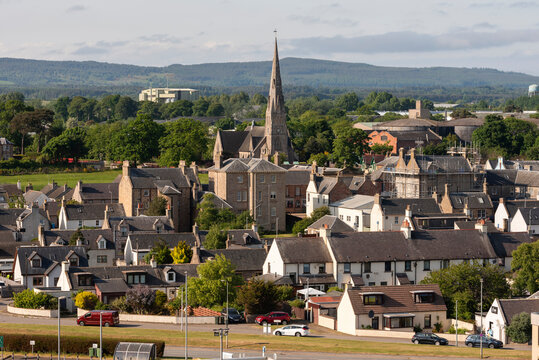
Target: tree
{"points": [[177, 108], [86, 300], [125, 108], [77, 235], [462, 113], [216, 238], [184, 139], [60, 107], [149, 108], [160, 253], [525, 265], [182, 253], [461, 282], [258, 297], [225, 123], [349, 146], [138, 141], [215, 109], [140, 299], [300, 226], [382, 148], [200, 107], [348, 101], [207, 212], [209, 288], [157, 207], [520, 329], [70, 144]]}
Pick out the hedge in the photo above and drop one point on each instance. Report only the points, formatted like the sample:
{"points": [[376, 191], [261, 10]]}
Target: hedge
{"points": [[46, 344]]}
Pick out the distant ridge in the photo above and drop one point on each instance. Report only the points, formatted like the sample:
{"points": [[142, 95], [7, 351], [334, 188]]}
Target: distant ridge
{"points": [[295, 71]]}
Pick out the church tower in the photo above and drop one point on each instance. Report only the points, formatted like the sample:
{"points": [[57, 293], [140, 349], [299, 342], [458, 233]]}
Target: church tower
{"points": [[276, 132]]}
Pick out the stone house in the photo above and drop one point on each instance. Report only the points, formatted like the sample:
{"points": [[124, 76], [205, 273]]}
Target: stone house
{"points": [[474, 204], [296, 190], [96, 193], [139, 245], [75, 216], [29, 221], [6, 149], [324, 190]]}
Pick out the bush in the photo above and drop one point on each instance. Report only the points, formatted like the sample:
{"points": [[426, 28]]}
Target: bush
{"points": [[140, 299], [438, 327], [297, 303], [120, 304], [284, 292], [70, 344], [100, 306], [520, 329], [28, 299], [452, 330], [86, 300], [417, 328]]}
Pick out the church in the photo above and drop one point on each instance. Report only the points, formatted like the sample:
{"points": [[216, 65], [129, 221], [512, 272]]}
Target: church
{"points": [[260, 141]]}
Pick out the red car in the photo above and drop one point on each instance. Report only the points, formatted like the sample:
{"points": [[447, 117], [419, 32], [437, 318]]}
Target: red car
{"points": [[274, 317]]}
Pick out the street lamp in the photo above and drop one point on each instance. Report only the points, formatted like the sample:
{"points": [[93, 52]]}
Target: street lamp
{"points": [[186, 315], [59, 301], [226, 320], [100, 334], [481, 326]]}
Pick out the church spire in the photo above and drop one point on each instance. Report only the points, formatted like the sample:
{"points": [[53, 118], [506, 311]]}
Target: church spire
{"points": [[276, 98]]}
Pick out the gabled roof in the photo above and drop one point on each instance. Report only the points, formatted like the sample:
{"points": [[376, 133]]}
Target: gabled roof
{"points": [[99, 191], [48, 256], [251, 165], [501, 177], [528, 178], [145, 242], [303, 250], [145, 178], [512, 307], [332, 222], [297, 177], [397, 206], [231, 140], [441, 163], [505, 243], [93, 211], [9, 216], [474, 199], [243, 237], [530, 215], [141, 223], [397, 299], [355, 202], [91, 236], [512, 206]]}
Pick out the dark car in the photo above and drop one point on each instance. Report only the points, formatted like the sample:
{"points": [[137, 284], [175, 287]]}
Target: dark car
{"points": [[233, 315], [428, 338], [475, 340], [274, 317]]}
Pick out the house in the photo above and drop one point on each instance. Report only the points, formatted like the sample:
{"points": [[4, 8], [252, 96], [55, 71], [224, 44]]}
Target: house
{"points": [[9, 193], [296, 190], [505, 243], [139, 245], [8, 219], [6, 149], [526, 219], [260, 141], [254, 185], [112, 282], [324, 190], [95, 193], [322, 308], [355, 211], [505, 164], [507, 209], [57, 193], [404, 139], [179, 186], [35, 197], [76, 216], [8, 248], [248, 238], [29, 221], [388, 214], [39, 266], [474, 204], [248, 262], [331, 222], [502, 311], [391, 308], [513, 184], [99, 244]]}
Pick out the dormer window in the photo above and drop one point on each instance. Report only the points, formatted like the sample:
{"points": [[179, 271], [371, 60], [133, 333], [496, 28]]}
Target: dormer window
{"points": [[373, 298], [102, 244], [74, 261], [123, 230], [159, 229], [171, 276], [423, 297], [36, 262], [136, 279]]}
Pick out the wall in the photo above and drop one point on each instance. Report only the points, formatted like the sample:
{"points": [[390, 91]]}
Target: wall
{"points": [[275, 261], [346, 319], [32, 312], [403, 334], [92, 257], [362, 223], [535, 336], [159, 319], [327, 322]]}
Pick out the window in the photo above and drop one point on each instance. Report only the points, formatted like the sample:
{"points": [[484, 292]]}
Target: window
{"points": [[273, 211], [259, 211], [494, 309], [238, 196], [427, 322], [273, 179], [357, 220], [273, 195], [396, 220], [298, 203], [262, 179], [289, 203], [146, 192], [322, 269], [367, 267], [260, 195], [308, 197], [341, 217], [101, 259], [170, 276], [347, 268], [97, 223], [85, 280], [383, 138], [136, 278], [123, 230], [444, 264], [36, 263], [80, 223], [306, 268], [37, 280], [383, 283], [375, 323], [387, 266], [426, 297], [325, 200], [481, 213], [298, 191], [74, 261], [426, 265], [408, 265], [377, 299], [398, 322], [240, 179], [348, 218]]}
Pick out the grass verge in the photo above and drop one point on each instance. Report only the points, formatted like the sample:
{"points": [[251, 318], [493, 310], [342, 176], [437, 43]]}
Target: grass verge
{"points": [[40, 180], [272, 343]]}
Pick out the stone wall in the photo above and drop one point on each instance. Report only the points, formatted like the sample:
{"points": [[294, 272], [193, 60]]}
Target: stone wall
{"points": [[32, 312]]}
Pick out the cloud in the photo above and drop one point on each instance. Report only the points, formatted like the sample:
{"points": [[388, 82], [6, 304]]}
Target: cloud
{"points": [[75, 8], [310, 20], [487, 4], [90, 50], [523, 4], [409, 41], [161, 38], [484, 25]]}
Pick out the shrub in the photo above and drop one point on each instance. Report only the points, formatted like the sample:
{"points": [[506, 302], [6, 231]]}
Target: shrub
{"points": [[100, 306], [140, 299], [86, 300], [438, 327], [417, 328], [284, 292], [159, 302], [452, 330], [520, 329], [120, 304], [28, 299], [335, 288], [297, 303]]}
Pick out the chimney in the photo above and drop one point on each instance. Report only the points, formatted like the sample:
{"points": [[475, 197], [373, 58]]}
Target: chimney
{"points": [[314, 168], [195, 259], [377, 199], [485, 186], [446, 189], [168, 211], [254, 227], [481, 226], [19, 184], [125, 168], [227, 243], [412, 154], [408, 212], [467, 210], [418, 105], [325, 232], [218, 160], [153, 263], [195, 229], [406, 229], [195, 168], [29, 187], [79, 242], [79, 185], [139, 209], [502, 200], [181, 166], [106, 219], [65, 266], [276, 158], [63, 203], [435, 196], [41, 235]]}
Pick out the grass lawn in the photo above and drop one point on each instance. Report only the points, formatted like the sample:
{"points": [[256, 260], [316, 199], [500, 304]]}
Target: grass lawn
{"points": [[40, 180], [284, 235], [272, 343], [203, 177]]}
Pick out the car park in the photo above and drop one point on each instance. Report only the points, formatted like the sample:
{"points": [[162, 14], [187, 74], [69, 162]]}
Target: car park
{"points": [[428, 338], [234, 315], [95, 317], [274, 317], [475, 340], [292, 330]]}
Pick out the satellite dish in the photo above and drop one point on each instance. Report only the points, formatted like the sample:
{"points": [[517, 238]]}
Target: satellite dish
{"points": [[371, 314]]}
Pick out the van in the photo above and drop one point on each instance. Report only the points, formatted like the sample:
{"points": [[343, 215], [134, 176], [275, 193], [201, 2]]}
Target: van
{"points": [[108, 318]]}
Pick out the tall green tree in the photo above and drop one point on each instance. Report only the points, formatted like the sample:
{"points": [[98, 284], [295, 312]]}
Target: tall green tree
{"points": [[525, 265], [125, 108], [157, 207], [70, 144], [182, 253], [520, 328], [349, 146], [138, 141], [160, 253], [348, 101], [215, 238], [184, 139], [258, 297]]}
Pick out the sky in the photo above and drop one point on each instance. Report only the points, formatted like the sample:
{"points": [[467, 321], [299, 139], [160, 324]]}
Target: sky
{"points": [[472, 33]]}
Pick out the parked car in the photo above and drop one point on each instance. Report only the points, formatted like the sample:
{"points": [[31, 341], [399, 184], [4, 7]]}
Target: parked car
{"points": [[428, 338], [233, 315], [274, 317], [292, 330], [475, 340], [108, 318]]}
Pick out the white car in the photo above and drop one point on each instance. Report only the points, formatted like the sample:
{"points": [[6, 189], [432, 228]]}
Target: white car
{"points": [[292, 330]]}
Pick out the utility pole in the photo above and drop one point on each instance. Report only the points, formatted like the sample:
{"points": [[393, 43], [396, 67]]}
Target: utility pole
{"points": [[481, 329], [186, 316], [457, 323], [100, 335]]}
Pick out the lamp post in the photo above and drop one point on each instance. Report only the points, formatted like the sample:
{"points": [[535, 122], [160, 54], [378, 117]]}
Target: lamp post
{"points": [[186, 314], [481, 326], [226, 320], [100, 335], [59, 301], [457, 323]]}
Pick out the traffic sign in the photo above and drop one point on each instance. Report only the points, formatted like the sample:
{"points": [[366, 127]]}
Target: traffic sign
{"points": [[1, 341]]}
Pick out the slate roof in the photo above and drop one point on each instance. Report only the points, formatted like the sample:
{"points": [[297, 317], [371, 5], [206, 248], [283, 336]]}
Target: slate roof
{"points": [[512, 307], [141, 223], [251, 165], [303, 250], [470, 225], [9, 248], [397, 206], [397, 299], [423, 135], [441, 163], [501, 177], [99, 191], [217, 201], [245, 259], [145, 178], [27, 212], [243, 237], [148, 241], [11, 189], [333, 222], [528, 178], [512, 206], [505, 243], [355, 202], [232, 140], [9, 216], [276, 279], [61, 192], [91, 236], [48, 255], [32, 196], [93, 211], [474, 199], [297, 177]]}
